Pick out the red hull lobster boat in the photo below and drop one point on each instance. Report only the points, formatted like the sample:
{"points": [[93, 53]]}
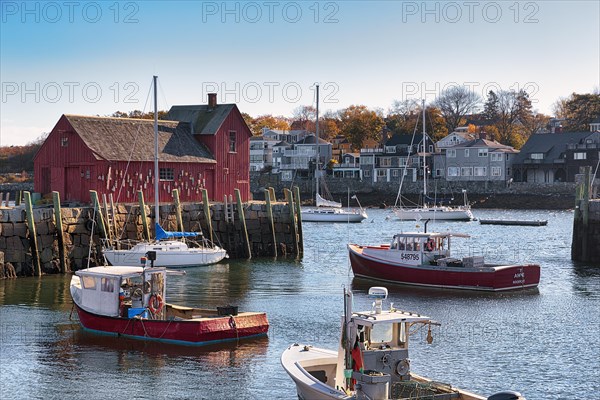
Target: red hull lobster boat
{"points": [[128, 301], [424, 259]]}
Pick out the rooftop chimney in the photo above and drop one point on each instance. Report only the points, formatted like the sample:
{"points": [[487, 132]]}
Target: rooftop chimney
{"points": [[212, 100]]}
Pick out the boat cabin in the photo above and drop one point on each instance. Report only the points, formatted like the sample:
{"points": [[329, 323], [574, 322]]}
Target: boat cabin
{"points": [[120, 291], [417, 248]]}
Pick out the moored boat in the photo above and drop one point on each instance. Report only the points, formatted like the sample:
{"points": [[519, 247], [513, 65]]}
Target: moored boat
{"points": [[372, 361], [424, 259], [130, 301]]}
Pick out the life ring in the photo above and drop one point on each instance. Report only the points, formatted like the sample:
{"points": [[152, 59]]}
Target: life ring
{"points": [[430, 245], [155, 304]]}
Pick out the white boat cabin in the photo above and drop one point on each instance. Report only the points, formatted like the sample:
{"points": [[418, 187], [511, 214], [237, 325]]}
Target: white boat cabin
{"points": [[119, 291], [418, 248], [383, 339]]}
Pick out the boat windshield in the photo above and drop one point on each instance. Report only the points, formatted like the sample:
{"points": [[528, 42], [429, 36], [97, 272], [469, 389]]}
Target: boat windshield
{"points": [[382, 333]]}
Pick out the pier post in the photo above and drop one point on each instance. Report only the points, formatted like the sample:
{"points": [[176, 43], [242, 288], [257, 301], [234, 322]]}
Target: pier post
{"points": [[107, 218], [206, 206], [37, 268], [299, 219], [100, 221], [178, 210], [143, 216], [586, 224], [290, 200], [19, 198], [271, 222], [272, 194], [59, 231], [240, 209]]}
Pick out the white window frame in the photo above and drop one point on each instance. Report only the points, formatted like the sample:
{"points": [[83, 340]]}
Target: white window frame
{"points": [[580, 156], [451, 153], [467, 153], [480, 171], [496, 171], [482, 153], [536, 156], [453, 171], [466, 171]]}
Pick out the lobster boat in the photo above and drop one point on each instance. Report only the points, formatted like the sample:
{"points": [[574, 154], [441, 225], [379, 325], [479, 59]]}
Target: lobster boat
{"points": [[424, 259], [372, 361], [131, 302]]}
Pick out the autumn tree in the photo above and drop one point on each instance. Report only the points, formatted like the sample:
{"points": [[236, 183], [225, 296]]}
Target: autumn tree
{"points": [[580, 110], [455, 103], [329, 125], [270, 122], [358, 123]]}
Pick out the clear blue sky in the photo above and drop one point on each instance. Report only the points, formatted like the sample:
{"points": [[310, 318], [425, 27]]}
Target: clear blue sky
{"points": [[94, 58]]}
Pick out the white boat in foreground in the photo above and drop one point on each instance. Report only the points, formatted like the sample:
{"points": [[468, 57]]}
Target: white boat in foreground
{"points": [[372, 360]]}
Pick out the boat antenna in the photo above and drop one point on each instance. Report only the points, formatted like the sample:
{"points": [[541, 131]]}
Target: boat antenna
{"points": [[156, 171]]}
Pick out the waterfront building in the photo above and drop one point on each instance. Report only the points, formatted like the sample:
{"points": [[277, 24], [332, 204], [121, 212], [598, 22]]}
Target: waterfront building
{"points": [[475, 160], [200, 146]]}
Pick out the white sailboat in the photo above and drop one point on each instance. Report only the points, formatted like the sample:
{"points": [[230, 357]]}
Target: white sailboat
{"points": [[327, 210], [169, 252], [426, 211]]}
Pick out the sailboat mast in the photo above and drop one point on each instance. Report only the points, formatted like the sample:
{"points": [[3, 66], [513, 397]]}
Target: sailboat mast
{"points": [[424, 144], [156, 172], [318, 147]]}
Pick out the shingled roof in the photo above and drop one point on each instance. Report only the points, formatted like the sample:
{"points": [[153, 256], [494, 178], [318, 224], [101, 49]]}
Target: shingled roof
{"points": [[553, 145], [484, 143], [204, 119], [118, 139]]}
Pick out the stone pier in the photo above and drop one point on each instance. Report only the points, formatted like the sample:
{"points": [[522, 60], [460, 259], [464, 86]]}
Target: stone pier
{"points": [[126, 223]]}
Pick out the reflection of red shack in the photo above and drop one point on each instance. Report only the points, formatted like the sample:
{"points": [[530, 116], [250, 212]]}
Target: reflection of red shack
{"points": [[205, 146]]}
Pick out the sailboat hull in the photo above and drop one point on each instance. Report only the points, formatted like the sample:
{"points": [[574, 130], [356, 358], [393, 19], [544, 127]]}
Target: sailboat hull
{"points": [[172, 254], [332, 215], [434, 213]]}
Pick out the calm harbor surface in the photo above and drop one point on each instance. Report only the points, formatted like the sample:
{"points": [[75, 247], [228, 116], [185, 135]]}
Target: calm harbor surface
{"points": [[544, 343]]}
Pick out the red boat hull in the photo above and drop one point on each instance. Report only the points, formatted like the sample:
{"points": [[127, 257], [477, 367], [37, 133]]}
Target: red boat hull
{"points": [[193, 332], [489, 278]]}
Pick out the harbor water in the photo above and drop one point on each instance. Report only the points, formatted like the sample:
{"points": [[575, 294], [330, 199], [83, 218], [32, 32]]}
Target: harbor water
{"points": [[544, 343]]}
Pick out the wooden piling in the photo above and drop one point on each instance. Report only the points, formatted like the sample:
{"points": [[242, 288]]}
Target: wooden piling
{"points": [[299, 219], [290, 200], [37, 268], [98, 213], [19, 198], [143, 216], [178, 210], [206, 206], [271, 222], [106, 218], [272, 194], [583, 229], [242, 218], [59, 231], [7, 198]]}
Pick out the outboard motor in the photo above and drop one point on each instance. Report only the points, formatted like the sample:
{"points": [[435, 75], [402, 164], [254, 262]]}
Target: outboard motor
{"points": [[507, 395]]}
